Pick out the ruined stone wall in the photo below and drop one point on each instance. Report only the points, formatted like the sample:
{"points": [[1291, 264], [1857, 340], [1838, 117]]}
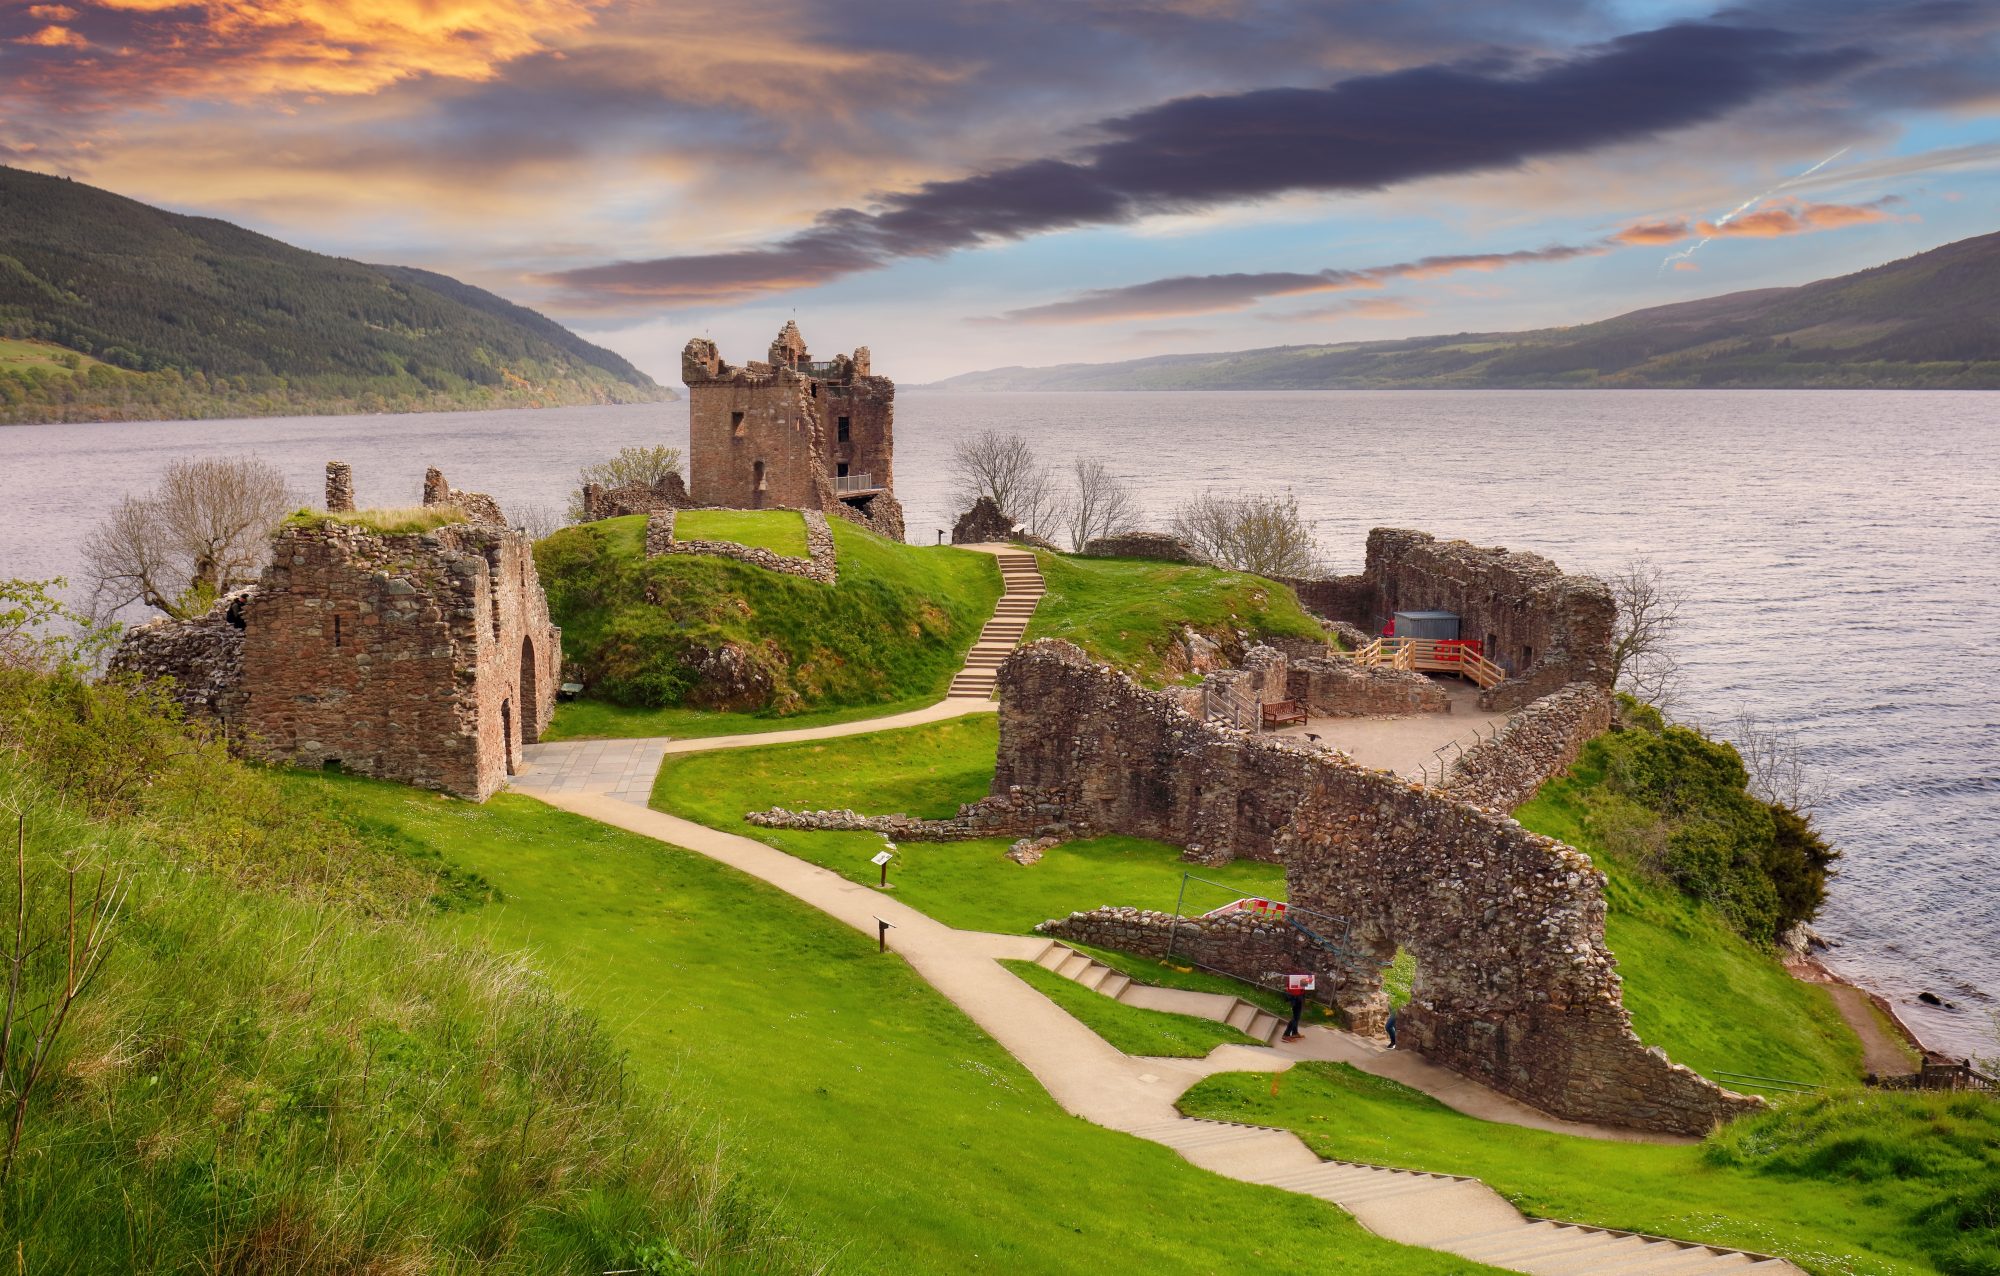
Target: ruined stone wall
{"points": [[199, 660], [425, 658], [1545, 628], [1334, 688], [869, 404], [1537, 744], [599, 502], [983, 523], [1157, 546], [822, 563], [1516, 987]]}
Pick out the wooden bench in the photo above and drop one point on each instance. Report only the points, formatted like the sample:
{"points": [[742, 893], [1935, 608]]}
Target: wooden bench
{"points": [[1283, 713]]}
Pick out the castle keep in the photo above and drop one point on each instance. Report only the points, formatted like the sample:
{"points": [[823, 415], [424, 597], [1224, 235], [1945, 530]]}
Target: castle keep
{"points": [[425, 657], [790, 433]]}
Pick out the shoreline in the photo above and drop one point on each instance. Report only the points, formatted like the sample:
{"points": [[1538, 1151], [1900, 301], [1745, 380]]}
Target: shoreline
{"points": [[1889, 1046]]}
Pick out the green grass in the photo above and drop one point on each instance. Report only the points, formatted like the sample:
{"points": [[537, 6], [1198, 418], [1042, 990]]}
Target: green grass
{"points": [[18, 355], [1695, 988], [1850, 1183], [928, 772], [1156, 1034], [895, 629], [1130, 612], [780, 531], [387, 522], [599, 720], [885, 1122]]}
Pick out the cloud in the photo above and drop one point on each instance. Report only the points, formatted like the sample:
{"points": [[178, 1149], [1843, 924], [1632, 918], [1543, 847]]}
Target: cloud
{"points": [[54, 37], [1796, 217], [1209, 294], [1364, 133], [1354, 308], [51, 12], [1663, 232]]}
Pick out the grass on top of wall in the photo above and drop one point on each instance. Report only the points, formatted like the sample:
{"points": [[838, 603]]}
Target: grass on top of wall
{"points": [[1130, 612], [780, 531], [641, 631], [1697, 989], [1153, 1034], [894, 1134], [403, 521], [1850, 1183], [927, 772]]}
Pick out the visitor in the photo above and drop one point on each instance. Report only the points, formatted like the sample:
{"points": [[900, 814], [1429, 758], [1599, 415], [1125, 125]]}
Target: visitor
{"points": [[1391, 1026], [1296, 988]]}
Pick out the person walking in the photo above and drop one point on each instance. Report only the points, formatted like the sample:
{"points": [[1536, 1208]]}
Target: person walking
{"points": [[1296, 988], [1391, 1026]]}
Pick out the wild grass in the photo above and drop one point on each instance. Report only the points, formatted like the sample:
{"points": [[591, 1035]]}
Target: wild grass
{"points": [[1696, 988], [780, 531], [1156, 1034], [1851, 1182], [283, 1067], [928, 772], [1130, 612], [598, 719], [893, 630], [404, 521]]}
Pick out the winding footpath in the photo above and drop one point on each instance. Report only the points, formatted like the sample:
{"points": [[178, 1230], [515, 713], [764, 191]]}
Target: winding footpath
{"points": [[611, 780]]}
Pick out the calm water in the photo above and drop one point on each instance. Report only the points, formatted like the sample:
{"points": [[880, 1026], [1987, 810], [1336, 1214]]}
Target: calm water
{"points": [[1842, 551]]}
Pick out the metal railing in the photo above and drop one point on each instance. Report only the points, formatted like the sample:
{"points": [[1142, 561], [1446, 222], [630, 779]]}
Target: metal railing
{"points": [[1770, 1085], [853, 482]]}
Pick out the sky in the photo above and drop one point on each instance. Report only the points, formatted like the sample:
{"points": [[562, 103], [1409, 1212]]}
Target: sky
{"points": [[964, 184]]}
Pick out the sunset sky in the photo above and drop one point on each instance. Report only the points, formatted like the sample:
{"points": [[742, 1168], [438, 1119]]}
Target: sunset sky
{"points": [[965, 185]]}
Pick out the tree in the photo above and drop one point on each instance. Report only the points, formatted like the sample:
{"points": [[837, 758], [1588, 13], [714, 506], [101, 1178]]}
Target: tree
{"points": [[1643, 663], [1003, 467], [1775, 762], [1255, 532], [642, 465], [204, 531], [1100, 504]]}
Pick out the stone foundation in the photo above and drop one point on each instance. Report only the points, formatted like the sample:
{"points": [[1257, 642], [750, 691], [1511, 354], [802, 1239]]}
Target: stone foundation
{"points": [[1342, 689], [822, 565], [1537, 744], [1515, 985], [1152, 545], [670, 493]]}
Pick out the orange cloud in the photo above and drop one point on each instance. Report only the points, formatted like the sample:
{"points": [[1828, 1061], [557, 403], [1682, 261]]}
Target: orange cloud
{"points": [[1358, 308], [55, 38], [1667, 232], [51, 12], [1795, 217], [232, 50], [1685, 264]]}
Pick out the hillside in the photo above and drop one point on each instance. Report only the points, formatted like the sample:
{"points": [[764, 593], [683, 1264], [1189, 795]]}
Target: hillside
{"points": [[1926, 322], [114, 310]]}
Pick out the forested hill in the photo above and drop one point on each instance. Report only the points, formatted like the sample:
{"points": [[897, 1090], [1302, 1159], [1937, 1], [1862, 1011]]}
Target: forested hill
{"points": [[114, 310], [1926, 322]]}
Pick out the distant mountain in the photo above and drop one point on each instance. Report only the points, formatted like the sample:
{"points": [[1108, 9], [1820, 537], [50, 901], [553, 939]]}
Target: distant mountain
{"points": [[114, 310], [1926, 322]]}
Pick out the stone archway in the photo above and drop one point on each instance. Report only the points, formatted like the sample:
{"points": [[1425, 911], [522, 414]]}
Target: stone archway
{"points": [[531, 700]]}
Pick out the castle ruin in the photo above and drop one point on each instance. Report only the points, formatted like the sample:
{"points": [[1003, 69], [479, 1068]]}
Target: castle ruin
{"points": [[425, 657], [791, 433]]}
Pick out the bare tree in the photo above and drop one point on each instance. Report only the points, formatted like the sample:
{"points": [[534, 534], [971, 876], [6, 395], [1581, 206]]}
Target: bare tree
{"points": [[1775, 761], [537, 520], [1255, 532], [1004, 467], [204, 531], [1100, 504], [1643, 661], [642, 465]]}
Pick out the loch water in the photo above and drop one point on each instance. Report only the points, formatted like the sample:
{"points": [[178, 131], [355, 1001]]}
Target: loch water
{"points": [[1840, 550]]}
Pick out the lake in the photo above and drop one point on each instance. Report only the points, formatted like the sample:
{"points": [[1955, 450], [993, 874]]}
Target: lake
{"points": [[1841, 551]]}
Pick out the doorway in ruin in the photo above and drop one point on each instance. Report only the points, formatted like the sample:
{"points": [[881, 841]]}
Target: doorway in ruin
{"points": [[757, 485], [530, 697], [507, 733]]}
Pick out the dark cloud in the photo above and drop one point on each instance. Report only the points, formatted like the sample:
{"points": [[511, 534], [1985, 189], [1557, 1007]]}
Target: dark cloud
{"points": [[1364, 133], [1207, 294]]}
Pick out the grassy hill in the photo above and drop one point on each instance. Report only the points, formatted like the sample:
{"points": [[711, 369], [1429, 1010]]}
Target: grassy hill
{"points": [[114, 310], [1931, 321]]}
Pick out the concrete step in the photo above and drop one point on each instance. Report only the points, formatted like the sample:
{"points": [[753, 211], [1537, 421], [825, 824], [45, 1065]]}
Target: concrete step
{"points": [[1599, 1255], [1533, 1241], [1240, 1015], [1093, 977], [1665, 1258], [1073, 965], [1265, 1026], [1053, 956], [1114, 985]]}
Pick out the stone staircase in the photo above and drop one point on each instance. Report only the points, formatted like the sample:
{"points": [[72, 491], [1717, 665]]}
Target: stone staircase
{"points": [[1460, 1216], [1009, 623], [1246, 1017]]}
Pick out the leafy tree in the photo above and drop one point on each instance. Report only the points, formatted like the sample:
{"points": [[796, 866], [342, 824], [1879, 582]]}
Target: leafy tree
{"points": [[1255, 532], [642, 465]]}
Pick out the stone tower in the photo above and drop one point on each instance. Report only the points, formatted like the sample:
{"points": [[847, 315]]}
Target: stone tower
{"points": [[789, 433]]}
